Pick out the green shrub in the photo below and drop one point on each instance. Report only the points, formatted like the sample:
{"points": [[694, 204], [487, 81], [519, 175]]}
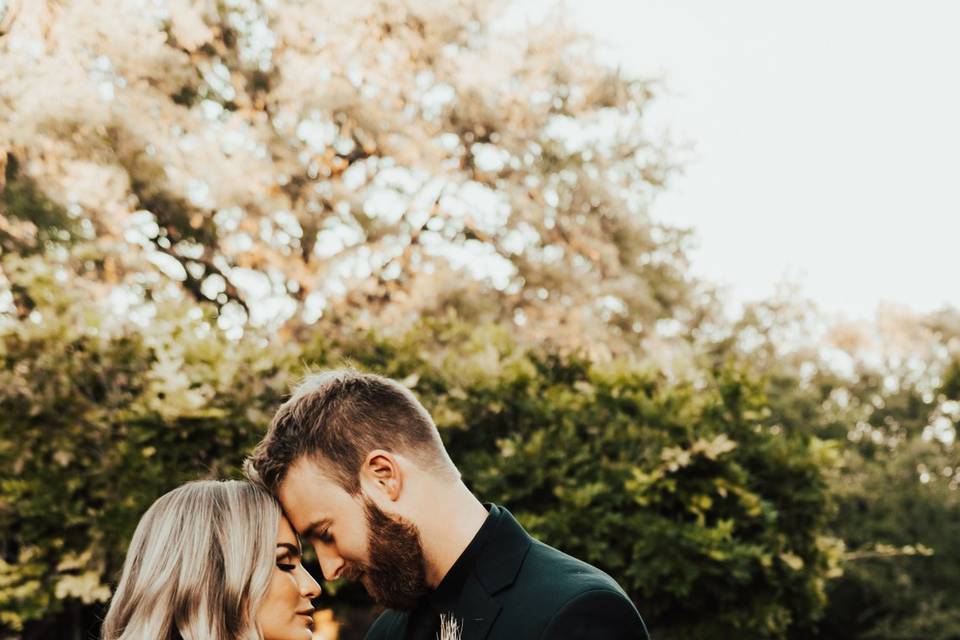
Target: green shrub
{"points": [[709, 519]]}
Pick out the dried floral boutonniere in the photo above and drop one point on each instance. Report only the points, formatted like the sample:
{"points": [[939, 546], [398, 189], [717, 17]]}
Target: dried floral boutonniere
{"points": [[450, 628]]}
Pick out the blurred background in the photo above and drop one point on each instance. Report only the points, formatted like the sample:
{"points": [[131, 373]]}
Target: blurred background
{"points": [[674, 280]]}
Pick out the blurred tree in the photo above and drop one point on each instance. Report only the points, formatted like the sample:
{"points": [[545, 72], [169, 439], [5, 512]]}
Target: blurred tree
{"points": [[899, 495], [99, 415], [180, 179], [381, 160], [890, 391], [713, 522]]}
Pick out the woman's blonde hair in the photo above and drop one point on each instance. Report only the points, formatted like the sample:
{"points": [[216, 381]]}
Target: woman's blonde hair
{"points": [[198, 566]]}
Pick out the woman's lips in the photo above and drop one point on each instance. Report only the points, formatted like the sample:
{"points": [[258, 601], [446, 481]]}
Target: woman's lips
{"points": [[308, 615]]}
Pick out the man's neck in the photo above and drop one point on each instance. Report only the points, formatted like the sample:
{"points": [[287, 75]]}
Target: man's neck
{"points": [[454, 521]]}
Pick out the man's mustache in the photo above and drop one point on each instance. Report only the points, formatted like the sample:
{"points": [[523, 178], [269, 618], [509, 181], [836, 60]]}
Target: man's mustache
{"points": [[353, 572]]}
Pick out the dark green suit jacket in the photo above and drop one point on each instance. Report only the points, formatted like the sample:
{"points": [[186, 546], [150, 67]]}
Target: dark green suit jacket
{"points": [[517, 588]]}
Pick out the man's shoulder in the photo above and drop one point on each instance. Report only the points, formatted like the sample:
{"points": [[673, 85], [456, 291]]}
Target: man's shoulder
{"points": [[562, 574], [558, 596], [533, 566], [387, 625]]}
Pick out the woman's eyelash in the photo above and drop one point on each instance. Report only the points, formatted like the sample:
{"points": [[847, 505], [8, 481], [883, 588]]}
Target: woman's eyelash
{"points": [[284, 566]]}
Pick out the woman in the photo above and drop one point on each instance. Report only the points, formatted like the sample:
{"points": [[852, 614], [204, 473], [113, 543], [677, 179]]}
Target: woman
{"points": [[213, 561]]}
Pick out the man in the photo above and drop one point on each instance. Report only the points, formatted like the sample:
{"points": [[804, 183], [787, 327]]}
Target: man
{"points": [[362, 474]]}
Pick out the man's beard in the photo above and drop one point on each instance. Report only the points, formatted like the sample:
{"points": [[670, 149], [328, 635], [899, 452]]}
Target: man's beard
{"points": [[395, 575]]}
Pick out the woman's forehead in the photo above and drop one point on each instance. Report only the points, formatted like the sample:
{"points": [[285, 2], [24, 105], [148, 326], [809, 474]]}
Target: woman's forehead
{"points": [[285, 533]]}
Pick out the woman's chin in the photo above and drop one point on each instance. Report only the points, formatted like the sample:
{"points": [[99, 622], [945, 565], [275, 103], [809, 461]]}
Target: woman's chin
{"points": [[308, 625]]}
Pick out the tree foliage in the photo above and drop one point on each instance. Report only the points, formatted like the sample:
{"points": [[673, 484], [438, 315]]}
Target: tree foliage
{"points": [[200, 199], [887, 391], [713, 523], [386, 160]]}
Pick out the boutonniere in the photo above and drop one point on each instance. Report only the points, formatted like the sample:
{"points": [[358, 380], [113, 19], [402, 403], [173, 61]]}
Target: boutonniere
{"points": [[450, 628]]}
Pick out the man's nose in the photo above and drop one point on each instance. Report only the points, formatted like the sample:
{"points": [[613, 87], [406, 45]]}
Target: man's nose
{"points": [[332, 566]]}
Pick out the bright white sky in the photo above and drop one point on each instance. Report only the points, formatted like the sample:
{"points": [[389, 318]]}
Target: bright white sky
{"points": [[826, 140]]}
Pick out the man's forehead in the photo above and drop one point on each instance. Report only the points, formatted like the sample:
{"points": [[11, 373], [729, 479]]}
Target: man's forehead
{"points": [[304, 469], [308, 494]]}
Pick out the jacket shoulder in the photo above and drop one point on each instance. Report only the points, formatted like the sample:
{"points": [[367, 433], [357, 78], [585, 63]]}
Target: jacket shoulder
{"points": [[388, 624], [555, 593], [599, 614], [565, 575]]}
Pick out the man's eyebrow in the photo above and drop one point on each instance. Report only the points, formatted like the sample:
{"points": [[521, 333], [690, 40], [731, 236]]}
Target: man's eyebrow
{"points": [[311, 529]]}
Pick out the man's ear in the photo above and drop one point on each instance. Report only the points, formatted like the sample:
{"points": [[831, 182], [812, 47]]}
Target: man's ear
{"points": [[382, 474]]}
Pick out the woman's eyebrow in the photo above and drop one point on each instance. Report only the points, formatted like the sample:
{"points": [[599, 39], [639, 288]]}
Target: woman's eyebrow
{"points": [[291, 549]]}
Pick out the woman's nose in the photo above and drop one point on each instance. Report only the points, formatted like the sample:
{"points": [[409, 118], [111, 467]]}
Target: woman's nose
{"points": [[309, 587]]}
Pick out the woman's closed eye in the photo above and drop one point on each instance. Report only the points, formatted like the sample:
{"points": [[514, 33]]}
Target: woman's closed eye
{"points": [[288, 557]]}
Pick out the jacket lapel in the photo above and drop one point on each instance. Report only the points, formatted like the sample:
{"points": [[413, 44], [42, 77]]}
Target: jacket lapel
{"points": [[503, 555], [495, 570], [399, 627], [478, 610]]}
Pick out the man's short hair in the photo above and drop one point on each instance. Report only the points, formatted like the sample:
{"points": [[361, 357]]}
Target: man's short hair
{"points": [[336, 418]]}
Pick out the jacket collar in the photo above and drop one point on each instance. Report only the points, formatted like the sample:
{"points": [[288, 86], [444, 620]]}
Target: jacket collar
{"points": [[503, 554], [495, 570]]}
